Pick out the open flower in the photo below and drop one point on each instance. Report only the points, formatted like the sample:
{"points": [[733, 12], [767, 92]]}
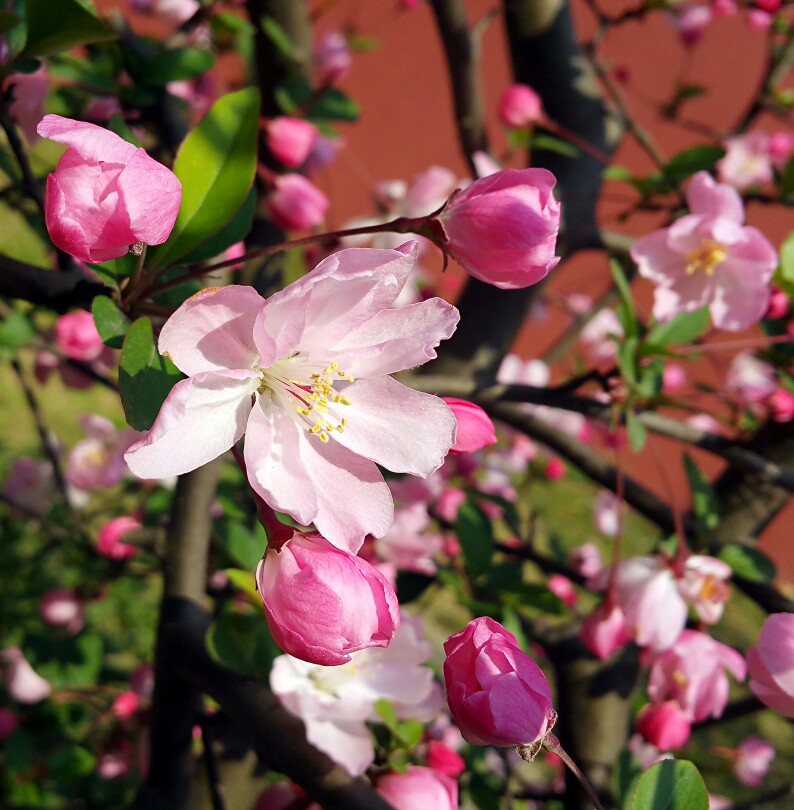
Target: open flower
{"points": [[304, 375], [709, 258], [105, 194], [771, 664]]}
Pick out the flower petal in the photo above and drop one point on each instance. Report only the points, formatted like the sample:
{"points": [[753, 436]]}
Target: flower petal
{"points": [[93, 143], [706, 196], [401, 429], [213, 331], [396, 339], [200, 419]]}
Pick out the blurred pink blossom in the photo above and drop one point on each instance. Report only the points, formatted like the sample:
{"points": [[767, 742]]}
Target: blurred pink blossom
{"points": [[586, 560], [29, 92], [778, 305], [747, 161], [475, 428], [109, 538], [442, 758], [709, 258], [520, 106], [291, 139], [295, 203], [97, 462], [598, 332], [665, 725], [606, 513], [563, 589], [175, 12], [753, 759], [554, 469], [61, 607], [690, 21], [751, 378], [408, 546], [673, 378], [605, 630], [771, 664], [77, 337], [781, 405], [418, 787], [23, 683], [332, 57], [8, 723]]}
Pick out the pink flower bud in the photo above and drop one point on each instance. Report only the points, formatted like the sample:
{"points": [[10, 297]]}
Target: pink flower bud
{"points": [[125, 705], [780, 146], [418, 787], [664, 724], [771, 664], [753, 758], [520, 106], [769, 6], [77, 337], [60, 607], [586, 560], [781, 404], [332, 57], [23, 683], [449, 502], [563, 589], [759, 20], [291, 140], [109, 539], [555, 469], [497, 694], [105, 194], [723, 8], [605, 630], [778, 305], [444, 759], [322, 604], [503, 228], [296, 204], [673, 378], [8, 723], [606, 513], [475, 428], [114, 764]]}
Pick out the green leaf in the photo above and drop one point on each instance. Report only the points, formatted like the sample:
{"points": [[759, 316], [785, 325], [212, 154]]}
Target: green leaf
{"points": [[385, 711], [279, 37], [245, 581], [16, 330], [145, 376], [704, 499], [550, 143], [748, 562], [118, 125], [410, 733], [245, 547], [671, 785], [174, 65], [240, 641], [216, 165], [51, 31], [334, 105], [684, 328], [234, 231], [111, 323], [475, 535], [696, 159], [616, 172], [786, 270], [626, 358], [636, 431], [629, 318]]}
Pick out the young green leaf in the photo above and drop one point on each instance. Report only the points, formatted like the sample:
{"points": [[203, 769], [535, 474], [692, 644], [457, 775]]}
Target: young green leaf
{"points": [[51, 32], [748, 562], [475, 535], [704, 499], [636, 431], [683, 329], [671, 785], [111, 323]]}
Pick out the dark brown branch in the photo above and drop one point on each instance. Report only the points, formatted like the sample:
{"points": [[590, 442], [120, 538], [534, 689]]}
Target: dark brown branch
{"points": [[462, 54]]}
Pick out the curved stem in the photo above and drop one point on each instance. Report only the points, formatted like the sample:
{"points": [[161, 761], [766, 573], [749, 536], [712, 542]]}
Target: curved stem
{"points": [[552, 744]]}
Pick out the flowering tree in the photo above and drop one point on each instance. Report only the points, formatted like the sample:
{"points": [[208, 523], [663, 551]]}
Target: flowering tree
{"points": [[259, 468]]}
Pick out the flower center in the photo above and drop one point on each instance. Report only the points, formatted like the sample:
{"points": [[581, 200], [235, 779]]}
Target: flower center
{"points": [[308, 390], [706, 256]]}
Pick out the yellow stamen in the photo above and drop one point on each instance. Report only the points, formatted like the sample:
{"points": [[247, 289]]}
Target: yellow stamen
{"points": [[707, 256]]}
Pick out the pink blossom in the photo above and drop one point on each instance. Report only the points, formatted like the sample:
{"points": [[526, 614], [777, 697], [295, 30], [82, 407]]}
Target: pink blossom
{"points": [[8, 723], [418, 787], [98, 460], [296, 204], [781, 405], [563, 589], [475, 428], [286, 371], [442, 758], [753, 758], [606, 513], [497, 694], [586, 560], [31, 484], [291, 139], [690, 22], [323, 153], [759, 20], [665, 725], [332, 57], [709, 258], [693, 673], [598, 334], [114, 764], [724, 8], [605, 630], [408, 545], [704, 422], [322, 603], [61, 607], [654, 595], [105, 194], [199, 93], [503, 228], [769, 6], [335, 703], [644, 752], [175, 12], [109, 538], [449, 502], [29, 91], [76, 336], [751, 378], [23, 683], [771, 664], [747, 161], [520, 106]]}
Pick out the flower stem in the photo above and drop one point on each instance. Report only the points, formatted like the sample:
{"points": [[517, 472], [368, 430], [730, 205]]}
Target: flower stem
{"points": [[277, 532], [552, 744]]}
